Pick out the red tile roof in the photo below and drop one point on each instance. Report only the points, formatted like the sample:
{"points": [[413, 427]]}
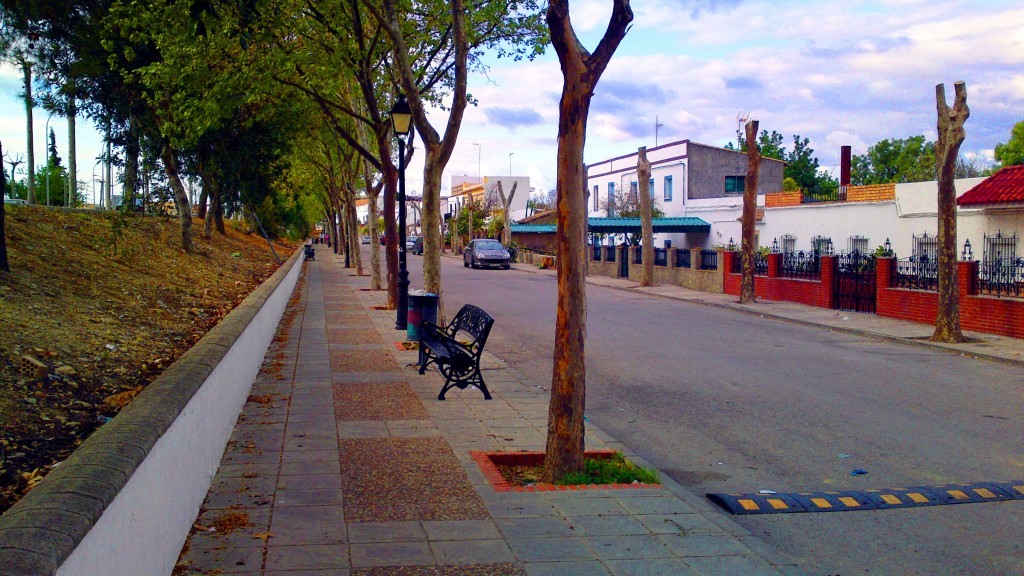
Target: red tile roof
{"points": [[1007, 185]]}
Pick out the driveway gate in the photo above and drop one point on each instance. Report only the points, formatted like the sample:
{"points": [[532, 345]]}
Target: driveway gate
{"points": [[855, 282]]}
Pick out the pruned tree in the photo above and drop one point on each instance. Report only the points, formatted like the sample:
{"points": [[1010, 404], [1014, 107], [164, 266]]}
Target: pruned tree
{"points": [[747, 247], [643, 176], [581, 71], [951, 132], [506, 203]]}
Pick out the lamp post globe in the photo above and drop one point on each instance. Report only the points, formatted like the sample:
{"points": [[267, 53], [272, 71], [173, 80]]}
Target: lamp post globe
{"points": [[401, 121]]}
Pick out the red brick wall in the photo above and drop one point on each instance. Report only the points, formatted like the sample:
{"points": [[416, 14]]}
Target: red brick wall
{"points": [[1004, 316], [810, 292]]}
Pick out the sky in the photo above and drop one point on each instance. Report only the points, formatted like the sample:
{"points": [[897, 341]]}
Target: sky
{"points": [[848, 72]]}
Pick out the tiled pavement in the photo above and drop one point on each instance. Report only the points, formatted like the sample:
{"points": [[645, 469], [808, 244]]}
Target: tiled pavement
{"points": [[344, 463]]}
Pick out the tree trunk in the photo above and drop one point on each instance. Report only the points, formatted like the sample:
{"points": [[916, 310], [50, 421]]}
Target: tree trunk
{"points": [[431, 217], [390, 176], [217, 207], [947, 148], [72, 151], [506, 231], [27, 68], [372, 223], [131, 166], [180, 197], [580, 73], [4, 266], [643, 176], [747, 292]]}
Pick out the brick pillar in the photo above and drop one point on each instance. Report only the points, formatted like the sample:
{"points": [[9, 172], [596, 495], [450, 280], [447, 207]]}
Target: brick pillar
{"points": [[967, 277], [672, 258], [828, 283], [725, 260], [695, 258], [774, 265]]}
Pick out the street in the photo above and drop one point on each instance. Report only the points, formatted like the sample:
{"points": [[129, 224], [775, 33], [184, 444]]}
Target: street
{"points": [[729, 402]]}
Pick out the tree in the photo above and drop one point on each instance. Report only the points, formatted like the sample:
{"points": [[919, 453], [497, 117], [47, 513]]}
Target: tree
{"points": [[950, 128], [1011, 153], [895, 160], [643, 177], [506, 215], [4, 266], [581, 71], [747, 293]]}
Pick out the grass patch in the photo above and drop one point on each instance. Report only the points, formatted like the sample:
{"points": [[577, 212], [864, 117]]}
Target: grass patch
{"points": [[614, 469]]}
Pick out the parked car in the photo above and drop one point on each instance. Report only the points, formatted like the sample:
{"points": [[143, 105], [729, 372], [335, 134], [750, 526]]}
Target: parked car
{"points": [[15, 201], [364, 240], [486, 252], [414, 244]]}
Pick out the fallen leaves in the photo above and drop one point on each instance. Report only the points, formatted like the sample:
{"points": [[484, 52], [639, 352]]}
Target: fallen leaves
{"points": [[119, 401]]}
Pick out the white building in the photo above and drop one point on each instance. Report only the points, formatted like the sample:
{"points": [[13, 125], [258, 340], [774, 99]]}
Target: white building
{"points": [[485, 191], [687, 180]]}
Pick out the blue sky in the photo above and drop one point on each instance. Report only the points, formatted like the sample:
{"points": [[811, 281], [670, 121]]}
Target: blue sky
{"points": [[837, 72]]}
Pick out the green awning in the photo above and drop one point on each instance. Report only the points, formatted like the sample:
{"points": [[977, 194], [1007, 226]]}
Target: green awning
{"points": [[625, 225]]}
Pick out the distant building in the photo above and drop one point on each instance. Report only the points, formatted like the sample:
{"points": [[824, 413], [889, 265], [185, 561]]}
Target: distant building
{"points": [[484, 191], [687, 180]]}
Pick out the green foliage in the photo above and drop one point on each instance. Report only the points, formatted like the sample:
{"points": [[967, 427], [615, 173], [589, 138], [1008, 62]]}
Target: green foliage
{"points": [[614, 470], [789, 185], [895, 160], [802, 166], [119, 223], [1011, 153], [462, 222]]}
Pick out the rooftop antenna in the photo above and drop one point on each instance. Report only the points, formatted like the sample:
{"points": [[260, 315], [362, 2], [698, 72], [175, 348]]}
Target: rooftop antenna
{"points": [[656, 126], [741, 120]]}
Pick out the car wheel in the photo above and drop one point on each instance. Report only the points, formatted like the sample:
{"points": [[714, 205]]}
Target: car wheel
{"points": [[506, 266], [464, 263], [472, 262]]}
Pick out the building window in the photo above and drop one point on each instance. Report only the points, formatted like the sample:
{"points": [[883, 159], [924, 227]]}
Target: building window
{"points": [[596, 199], [650, 188], [734, 184], [632, 192], [611, 199], [857, 244], [788, 244], [668, 189], [926, 248], [820, 244]]}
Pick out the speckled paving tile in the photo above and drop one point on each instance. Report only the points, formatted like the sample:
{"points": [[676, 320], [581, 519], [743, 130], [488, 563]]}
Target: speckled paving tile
{"points": [[353, 336], [392, 479], [503, 569], [363, 361], [377, 401]]}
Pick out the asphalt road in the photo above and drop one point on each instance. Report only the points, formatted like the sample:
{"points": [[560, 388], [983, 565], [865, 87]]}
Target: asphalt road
{"points": [[724, 401]]}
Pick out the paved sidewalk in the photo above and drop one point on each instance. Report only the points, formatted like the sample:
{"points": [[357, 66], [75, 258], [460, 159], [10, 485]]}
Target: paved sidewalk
{"points": [[343, 462]]}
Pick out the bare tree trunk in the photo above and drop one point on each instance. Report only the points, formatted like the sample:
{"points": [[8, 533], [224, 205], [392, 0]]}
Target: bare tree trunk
{"points": [[643, 176], [353, 227], [131, 166], [947, 148], [27, 68], [747, 293], [180, 197], [580, 73], [390, 176], [506, 232], [4, 266], [72, 150], [372, 193], [432, 170]]}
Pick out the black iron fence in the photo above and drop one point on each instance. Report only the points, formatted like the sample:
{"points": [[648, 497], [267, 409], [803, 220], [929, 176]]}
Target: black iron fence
{"points": [[919, 272], [760, 264], [638, 255], [823, 194], [1001, 277], [682, 258], [661, 257], [595, 253], [609, 253], [709, 259], [801, 265]]}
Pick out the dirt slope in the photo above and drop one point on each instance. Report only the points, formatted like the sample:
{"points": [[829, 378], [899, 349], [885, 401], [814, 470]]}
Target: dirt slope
{"points": [[105, 302]]}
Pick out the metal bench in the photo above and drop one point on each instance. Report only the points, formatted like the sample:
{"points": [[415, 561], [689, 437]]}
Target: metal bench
{"points": [[458, 362]]}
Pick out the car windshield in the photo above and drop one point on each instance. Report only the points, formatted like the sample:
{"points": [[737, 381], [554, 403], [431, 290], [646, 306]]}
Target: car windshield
{"points": [[489, 245]]}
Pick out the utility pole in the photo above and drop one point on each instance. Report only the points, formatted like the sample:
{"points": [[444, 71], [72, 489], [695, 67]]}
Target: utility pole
{"points": [[657, 125], [510, 163]]}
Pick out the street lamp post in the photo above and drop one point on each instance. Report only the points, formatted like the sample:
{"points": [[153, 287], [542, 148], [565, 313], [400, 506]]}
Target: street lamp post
{"points": [[401, 118]]}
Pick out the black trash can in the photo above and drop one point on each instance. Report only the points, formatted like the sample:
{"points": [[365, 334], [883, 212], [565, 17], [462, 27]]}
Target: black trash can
{"points": [[421, 308]]}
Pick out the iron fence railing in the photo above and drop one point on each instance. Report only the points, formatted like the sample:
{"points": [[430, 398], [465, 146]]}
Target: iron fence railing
{"points": [[823, 194], [801, 265], [682, 258], [596, 253], [760, 264], [919, 272], [709, 259], [638, 255], [661, 257], [1002, 277], [609, 253]]}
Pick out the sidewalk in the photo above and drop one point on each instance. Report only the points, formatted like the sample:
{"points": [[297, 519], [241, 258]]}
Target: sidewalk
{"points": [[985, 346], [343, 462]]}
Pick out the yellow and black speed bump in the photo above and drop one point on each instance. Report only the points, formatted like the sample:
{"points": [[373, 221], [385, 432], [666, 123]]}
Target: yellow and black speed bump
{"points": [[913, 497]]}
